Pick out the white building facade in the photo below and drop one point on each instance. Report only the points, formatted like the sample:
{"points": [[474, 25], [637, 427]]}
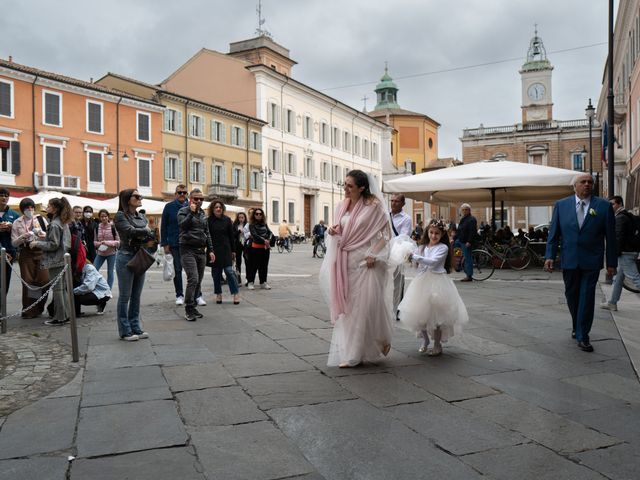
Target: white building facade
{"points": [[311, 141]]}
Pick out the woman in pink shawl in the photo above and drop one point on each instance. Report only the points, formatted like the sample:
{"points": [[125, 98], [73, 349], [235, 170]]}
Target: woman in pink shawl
{"points": [[356, 270]]}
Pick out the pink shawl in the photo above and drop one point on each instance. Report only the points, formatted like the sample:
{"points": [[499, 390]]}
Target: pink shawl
{"points": [[365, 222]]}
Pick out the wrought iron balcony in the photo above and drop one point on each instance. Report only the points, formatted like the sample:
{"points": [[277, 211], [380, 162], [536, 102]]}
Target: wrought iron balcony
{"points": [[220, 190], [63, 183]]}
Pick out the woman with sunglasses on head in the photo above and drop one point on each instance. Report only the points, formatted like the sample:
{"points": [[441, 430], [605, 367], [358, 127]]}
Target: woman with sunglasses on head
{"points": [[223, 238], [259, 250], [25, 229], [56, 243], [106, 242], [133, 229]]}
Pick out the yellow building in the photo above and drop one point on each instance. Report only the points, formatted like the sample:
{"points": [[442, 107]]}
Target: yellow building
{"points": [[204, 146], [414, 143]]}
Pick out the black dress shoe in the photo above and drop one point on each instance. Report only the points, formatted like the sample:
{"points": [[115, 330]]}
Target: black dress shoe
{"points": [[585, 346], [573, 334]]}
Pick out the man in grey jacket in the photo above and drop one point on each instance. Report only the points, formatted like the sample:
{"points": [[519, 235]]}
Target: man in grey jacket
{"points": [[194, 239]]}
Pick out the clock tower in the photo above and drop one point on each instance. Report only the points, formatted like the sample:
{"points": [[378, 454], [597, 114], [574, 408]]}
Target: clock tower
{"points": [[536, 84]]}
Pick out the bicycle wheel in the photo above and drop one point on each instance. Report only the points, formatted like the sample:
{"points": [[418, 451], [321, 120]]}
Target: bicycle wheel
{"points": [[289, 247], [321, 250], [518, 258], [482, 265], [280, 247]]}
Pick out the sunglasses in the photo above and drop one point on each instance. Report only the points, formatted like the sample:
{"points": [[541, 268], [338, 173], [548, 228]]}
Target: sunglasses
{"points": [[181, 192], [258, 213], [136, 196], [197, 199], [5, 195]]}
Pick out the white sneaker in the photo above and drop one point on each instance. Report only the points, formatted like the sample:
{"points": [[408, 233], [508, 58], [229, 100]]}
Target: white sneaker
{"points": [[142, 335], [265, 286], [609, 306], [250, 286], [201, 301], [130, 338], [180, 300]]}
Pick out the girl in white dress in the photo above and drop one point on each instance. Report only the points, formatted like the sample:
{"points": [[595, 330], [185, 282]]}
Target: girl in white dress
{"points": [[432, 306]]}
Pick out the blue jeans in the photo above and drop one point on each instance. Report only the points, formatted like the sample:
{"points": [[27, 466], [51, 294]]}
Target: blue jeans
{"points": [[216, 272], [111, 263], [468, 260], [626, 268], [129, 290]]}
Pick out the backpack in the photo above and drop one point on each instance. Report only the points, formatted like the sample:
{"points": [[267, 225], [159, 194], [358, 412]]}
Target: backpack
{"points": [[78, 257], [632, 239]]}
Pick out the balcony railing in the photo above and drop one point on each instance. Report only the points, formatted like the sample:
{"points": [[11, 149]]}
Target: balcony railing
{"points": [[222, 191], [50, 181], [482, 131]]}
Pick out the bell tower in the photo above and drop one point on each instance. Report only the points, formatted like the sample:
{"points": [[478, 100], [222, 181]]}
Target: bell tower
{"points": [[535, 75]]}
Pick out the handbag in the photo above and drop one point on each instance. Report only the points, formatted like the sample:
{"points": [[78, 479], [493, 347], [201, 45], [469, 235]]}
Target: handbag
{"points": [[272, 240], [140, 262]]}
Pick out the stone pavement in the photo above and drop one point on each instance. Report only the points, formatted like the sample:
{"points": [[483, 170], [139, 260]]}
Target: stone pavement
{"points": [[245, 393]]}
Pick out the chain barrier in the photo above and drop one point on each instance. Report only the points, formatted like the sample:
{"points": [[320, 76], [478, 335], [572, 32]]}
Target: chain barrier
{"points": [[51, 284], [30, 287]]}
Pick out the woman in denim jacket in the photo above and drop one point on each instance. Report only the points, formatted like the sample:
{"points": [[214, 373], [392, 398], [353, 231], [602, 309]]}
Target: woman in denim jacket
{"points": [[133, 230]]}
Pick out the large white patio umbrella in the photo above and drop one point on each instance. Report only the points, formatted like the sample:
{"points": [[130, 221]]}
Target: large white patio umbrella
{"points": [[42, 198], [485, 182]]}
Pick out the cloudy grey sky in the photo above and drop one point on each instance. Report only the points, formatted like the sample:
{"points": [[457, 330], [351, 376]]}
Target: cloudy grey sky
{"points": [[337, 43]]}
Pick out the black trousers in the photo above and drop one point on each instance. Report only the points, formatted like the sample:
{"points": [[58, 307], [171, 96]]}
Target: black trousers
{"points": [[87, 299], [258, 261]]}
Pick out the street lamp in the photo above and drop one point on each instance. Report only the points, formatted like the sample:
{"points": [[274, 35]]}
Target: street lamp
{"points": [[340, 184], [590, 113], [125, 157]]}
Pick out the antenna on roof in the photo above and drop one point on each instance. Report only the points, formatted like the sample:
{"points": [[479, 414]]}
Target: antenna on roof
{"points": [[261, 31]]}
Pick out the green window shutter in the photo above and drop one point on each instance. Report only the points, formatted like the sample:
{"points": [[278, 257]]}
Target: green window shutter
{"points": [[15, 158]]}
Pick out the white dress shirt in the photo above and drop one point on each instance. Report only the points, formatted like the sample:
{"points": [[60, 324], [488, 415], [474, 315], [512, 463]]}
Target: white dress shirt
{"points": [[402, 223]]}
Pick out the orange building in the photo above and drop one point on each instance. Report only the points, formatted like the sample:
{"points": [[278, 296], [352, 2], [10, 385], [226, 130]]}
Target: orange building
{"points": [[61, 133]]}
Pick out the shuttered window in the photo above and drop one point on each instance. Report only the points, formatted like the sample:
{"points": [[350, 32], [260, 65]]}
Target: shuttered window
{"points": [[6, 98], [95, 167], [94, 117], [144, 127], [52, 109], [144, 172]]}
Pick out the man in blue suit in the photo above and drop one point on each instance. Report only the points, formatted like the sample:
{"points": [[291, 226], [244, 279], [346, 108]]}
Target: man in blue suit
{"points": [[582, 224]]}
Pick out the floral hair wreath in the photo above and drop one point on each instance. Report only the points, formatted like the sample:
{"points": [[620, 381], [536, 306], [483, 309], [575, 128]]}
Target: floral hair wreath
{"points": [[438, 224]]}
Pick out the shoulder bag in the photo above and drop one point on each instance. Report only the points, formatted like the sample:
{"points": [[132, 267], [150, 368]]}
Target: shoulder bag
{"points": [[142, 260]]}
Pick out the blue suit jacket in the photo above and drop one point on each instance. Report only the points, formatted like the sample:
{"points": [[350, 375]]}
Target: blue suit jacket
{"points": [[583, 247]]}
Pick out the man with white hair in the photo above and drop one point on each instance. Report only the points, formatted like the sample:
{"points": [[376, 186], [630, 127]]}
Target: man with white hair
{"points": [[581, 224], [467, 231]]}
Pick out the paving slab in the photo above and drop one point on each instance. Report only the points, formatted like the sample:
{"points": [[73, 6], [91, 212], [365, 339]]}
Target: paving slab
{"points": [[528, 462], [352, 439], [549, 393], [183, 354], [173, 337], [448, 386], [45, 426], [120, 354], [219, 325], [195, 377], [291, 389], [620, 461], [481, 346], [383, 389], [169, 463], [43, 468], [323, 333], [311, 345], [240, 343], [307, 322], [453, 429], [128, 427], [464, 364], [544, 365], [254, 451], [281, 329], [218, 406], [124, 385], [610, 384], [622, 422], [71, 389], [263, 364], [546, 428]]}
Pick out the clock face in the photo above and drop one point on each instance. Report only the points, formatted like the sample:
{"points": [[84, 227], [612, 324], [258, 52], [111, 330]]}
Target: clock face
{"points": [[536, 91]]}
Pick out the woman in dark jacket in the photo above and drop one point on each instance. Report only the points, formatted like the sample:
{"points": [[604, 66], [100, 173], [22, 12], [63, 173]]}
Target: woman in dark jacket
{"points": [[223, 238], [89, 226], [259, 250], [133, 230], [238, 238]]}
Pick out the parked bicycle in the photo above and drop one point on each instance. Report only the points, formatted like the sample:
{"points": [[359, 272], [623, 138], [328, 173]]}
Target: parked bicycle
{"points": [[321, 247], [488, 257]]}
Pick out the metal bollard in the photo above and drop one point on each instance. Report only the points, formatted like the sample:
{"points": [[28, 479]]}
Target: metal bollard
{"points": [[3, 292], [72, 309]]}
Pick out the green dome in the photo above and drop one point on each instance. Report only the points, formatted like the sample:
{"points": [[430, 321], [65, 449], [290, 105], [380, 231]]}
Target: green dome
{"points": [[386, 92]]}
